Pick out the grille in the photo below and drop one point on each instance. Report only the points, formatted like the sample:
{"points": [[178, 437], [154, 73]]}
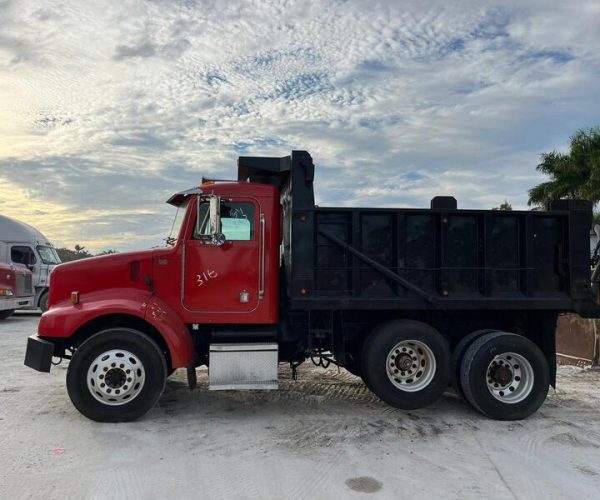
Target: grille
{"points": [[24, 285]]}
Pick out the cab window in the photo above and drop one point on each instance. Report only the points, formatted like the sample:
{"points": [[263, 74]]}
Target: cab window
{"points": [[237, 221], [22, 255]]}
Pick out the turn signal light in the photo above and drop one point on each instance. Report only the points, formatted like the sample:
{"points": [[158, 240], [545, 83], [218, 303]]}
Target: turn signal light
{"points": [[75, 297], [5, 292]]}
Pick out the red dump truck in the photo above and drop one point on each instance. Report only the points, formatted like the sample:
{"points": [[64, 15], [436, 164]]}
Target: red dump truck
{"points": [[255, 274], [16, 289]]}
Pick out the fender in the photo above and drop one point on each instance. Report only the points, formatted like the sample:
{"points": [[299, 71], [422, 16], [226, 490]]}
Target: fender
{"points": [[64, 319], [173, 330]]}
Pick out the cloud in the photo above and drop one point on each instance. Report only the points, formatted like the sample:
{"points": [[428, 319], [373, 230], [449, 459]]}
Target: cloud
{"points": [[144, 49], [107, 108]]}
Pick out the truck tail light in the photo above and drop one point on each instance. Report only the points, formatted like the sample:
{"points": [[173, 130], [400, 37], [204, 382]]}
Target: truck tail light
{"points": [[75, 297]]}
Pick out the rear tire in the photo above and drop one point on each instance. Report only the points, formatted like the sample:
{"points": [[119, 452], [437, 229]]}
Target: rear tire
{"points": [[6, 314], [116, 375], [505, 376], [457, 357], [406, 363]]}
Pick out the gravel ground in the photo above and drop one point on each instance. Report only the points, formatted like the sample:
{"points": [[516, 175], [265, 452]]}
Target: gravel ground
{"points": [[325, 436]]}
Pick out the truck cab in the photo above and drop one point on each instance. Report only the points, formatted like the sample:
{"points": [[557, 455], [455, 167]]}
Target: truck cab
{"points": [[24, 246], [16, 289]]}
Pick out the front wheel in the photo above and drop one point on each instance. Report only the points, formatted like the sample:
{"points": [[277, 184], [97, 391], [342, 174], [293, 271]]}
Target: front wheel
{"points": [[504, 376], [406, 363], [116, 375], [43, 304]]}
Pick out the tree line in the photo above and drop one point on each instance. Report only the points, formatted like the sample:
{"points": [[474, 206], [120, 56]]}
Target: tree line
{"points": [[78, 252]]}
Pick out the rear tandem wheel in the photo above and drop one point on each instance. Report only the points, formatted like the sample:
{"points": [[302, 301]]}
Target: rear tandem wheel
{"points": [[504, 376], [406, 363]]}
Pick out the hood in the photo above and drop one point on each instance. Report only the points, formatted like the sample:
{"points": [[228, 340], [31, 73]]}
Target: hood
{"points": [[121, 270]]}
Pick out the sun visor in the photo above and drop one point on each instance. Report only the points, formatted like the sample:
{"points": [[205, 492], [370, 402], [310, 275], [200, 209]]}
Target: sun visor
{"points": [[177, 198]]}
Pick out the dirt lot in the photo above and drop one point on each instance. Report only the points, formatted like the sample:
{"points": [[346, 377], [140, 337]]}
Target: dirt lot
{"points": [[324, 436]]}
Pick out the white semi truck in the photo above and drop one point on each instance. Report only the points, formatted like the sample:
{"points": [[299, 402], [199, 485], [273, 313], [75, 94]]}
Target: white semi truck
{"points": [[23, 245]]}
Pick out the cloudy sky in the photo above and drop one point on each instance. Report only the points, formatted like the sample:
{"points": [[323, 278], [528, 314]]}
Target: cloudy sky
{"points": [[106, 108]]}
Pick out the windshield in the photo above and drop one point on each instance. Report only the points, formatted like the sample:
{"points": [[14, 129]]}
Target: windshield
{"points": [[177, 222], [48, 255]]}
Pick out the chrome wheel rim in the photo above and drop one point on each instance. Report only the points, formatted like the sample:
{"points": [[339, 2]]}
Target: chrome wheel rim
{"points": [[509, 377], [116, 377], [410, 365]]}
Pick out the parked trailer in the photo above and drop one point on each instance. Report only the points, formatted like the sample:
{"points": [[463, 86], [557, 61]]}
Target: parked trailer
{"points": [[255, 274], [16, 289]]}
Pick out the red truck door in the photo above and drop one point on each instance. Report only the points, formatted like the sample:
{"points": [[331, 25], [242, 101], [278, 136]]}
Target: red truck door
{"points": [[225, 279]]}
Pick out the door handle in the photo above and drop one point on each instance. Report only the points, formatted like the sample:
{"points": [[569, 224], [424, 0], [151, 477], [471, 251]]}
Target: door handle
{"points": [[261, 278]]}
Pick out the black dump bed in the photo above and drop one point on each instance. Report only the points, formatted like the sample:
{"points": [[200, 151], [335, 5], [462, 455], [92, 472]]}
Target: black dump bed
{"points": [[440, 258]]}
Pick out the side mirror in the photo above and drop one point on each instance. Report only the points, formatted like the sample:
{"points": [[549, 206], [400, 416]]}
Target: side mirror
{"points": [[209, 229], [214, 215], [218, 239]]}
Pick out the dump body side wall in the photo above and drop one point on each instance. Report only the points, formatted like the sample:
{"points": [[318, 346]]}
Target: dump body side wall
{"points": [[463, 259]]}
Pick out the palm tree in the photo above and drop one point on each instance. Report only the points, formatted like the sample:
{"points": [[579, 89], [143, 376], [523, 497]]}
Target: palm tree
{"points": [[575, 174]]}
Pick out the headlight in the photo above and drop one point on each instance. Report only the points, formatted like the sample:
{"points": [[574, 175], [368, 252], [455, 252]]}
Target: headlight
{"points": [[5, 292]]}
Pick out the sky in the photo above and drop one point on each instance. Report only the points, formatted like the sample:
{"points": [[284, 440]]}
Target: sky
{"points": [[107, 108]]}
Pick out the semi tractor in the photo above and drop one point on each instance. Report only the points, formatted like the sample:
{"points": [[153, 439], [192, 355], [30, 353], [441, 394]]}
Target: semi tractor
{"points": [[255, 274], [23, 245], [16, 289]]}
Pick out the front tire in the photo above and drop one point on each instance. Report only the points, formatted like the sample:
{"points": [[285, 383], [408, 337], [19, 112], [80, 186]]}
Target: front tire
{"points": [[43, 304], [406, 363], [116, 375], [505, 376]]}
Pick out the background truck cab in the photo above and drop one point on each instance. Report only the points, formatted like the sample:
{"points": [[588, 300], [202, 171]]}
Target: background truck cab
{"points": [[16, 289], [25, 246]]}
